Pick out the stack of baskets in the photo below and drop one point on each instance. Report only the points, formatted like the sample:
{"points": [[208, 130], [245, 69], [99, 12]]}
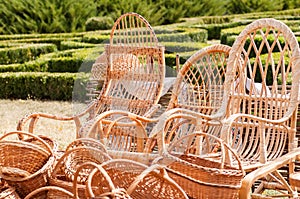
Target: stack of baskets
{"points": [[194, 166]]}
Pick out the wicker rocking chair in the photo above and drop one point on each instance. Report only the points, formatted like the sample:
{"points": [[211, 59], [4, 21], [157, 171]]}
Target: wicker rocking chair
{"points": [[198, 87], [134, 75], [257, 117]]}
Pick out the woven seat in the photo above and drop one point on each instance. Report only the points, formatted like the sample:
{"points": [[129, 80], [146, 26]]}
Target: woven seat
{"points": [[134, 74]]}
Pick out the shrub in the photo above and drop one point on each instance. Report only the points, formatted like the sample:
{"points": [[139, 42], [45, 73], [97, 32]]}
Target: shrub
{"points": [[179, 47], [42, 86], [197, 35], [99, 23], [65, 45], [95, 38], [24, 53]]}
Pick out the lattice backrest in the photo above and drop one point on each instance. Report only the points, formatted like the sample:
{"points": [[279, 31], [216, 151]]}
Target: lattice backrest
{"points": [[132, 29], [262, 80], [136, 67], [199, 84], [263, 67]]}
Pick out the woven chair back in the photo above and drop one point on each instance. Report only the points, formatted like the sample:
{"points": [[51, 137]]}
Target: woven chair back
{"points": [[199, 87], [136, 67], [262, 80], [199, 84]]}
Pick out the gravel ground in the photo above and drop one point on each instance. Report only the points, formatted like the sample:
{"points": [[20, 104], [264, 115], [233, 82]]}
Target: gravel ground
{"points": [[11, 111]]}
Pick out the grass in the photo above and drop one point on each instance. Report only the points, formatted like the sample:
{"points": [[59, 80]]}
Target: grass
{"points": [[11, 111]]}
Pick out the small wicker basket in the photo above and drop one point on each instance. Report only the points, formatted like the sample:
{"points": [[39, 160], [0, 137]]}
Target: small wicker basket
{"points": [[204, 166], [107, 188], [67, 165], [25, 165]]}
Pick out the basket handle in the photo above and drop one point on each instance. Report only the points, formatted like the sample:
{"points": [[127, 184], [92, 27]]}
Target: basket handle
{"points": [[21, 133], [162, 172], [48, 188], [222, 143], [67, 153], [89, 181]]}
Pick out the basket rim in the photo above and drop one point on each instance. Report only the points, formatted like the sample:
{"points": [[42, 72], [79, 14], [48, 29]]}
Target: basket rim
{"points": [[45, 168]]}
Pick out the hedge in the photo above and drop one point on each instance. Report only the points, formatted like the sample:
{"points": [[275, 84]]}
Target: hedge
{"points": [[43, 86], [41, 36], [197, 35], [179, 47], [24, 53], [65, 45], [170, 59], [188, 35], [228, 32], [214, 30], [59, 61], [95, 38]]}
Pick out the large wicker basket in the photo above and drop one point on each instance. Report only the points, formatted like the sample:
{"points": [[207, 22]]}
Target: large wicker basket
{"points": [[204, 166], [25, 165]]}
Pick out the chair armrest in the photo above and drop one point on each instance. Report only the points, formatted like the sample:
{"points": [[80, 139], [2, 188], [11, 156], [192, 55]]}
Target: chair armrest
{"points": [[112, 118], [152, 110], [228, 123], [249, 179], [33, 118]]}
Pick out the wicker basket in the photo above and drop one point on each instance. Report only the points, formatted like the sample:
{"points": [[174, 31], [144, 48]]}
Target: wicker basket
{"points": [[52, 143], [197, 162], [25, 165], [88, 142], [160, 186], [67, 165], [107, 188], [120, 178], [52, 192]]}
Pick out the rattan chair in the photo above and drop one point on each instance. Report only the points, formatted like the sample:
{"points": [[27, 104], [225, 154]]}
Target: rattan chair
{"points": [[198, 87], [257, 117], [134, 74]]}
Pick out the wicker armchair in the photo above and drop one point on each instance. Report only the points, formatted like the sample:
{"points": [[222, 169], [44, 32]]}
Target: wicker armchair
{"points": [[134, 74], [257, 117], [198, 87]]}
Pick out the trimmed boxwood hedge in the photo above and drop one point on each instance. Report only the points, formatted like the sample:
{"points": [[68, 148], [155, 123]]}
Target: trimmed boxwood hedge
{"points": [[171, 58], [50, 86], [214, 30], [24, 53], [59, 61], [197, 35], [65, 45]]}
